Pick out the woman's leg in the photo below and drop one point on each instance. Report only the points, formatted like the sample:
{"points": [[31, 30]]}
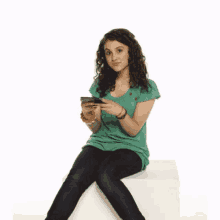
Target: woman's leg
{"points": [[120, 164], [82, 174]]}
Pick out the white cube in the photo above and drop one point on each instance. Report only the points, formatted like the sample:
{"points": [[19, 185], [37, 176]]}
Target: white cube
{"points": [[155, 190]]}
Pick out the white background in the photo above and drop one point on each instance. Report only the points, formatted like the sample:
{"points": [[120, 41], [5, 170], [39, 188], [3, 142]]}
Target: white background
{"points": [[47, 62]]}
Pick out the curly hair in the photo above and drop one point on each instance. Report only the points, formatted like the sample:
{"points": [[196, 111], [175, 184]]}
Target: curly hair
{"points": [[106, 76]]}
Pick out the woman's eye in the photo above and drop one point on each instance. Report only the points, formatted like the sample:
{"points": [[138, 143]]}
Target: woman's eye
{"points": [[118, 50]]}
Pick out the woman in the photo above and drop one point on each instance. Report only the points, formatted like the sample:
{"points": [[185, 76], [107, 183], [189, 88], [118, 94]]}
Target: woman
{"points": [[117, 148]]}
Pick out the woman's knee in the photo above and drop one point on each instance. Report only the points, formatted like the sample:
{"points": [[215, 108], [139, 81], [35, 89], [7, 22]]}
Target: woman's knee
{"points": [[105, 175], [103, 181]]}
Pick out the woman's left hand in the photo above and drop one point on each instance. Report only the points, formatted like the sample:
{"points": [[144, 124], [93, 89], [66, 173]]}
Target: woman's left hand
{"points": [[111, 107]]}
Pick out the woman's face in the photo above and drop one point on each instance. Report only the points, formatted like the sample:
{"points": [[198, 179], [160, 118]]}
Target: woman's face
{"points": [[116, 52]]}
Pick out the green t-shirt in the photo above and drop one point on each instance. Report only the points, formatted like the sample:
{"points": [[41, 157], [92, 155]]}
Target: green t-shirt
{"points": [[111, 136]]}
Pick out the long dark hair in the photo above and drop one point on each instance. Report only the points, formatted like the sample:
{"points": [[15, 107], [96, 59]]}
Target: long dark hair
{"points": [[106, 76]]}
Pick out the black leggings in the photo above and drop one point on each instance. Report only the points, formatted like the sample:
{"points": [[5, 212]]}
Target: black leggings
{"points": [[106, 168]]}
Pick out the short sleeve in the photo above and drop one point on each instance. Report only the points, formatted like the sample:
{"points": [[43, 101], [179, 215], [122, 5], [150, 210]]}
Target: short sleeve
{"points": [[92, 90], [151, 94]]}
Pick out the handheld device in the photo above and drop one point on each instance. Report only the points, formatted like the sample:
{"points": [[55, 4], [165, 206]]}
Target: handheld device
{"points": [[91, 99]]}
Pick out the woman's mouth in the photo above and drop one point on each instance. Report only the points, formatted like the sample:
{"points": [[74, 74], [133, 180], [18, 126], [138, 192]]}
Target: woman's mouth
{"points": [[115, 64]]}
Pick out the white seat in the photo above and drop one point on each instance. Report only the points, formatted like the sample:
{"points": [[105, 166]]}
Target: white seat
{"points": [[155, 190]]}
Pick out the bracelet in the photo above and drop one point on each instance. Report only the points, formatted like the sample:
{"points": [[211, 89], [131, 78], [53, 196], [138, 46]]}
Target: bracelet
{"points": [[120, 113], [123, 116]]}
